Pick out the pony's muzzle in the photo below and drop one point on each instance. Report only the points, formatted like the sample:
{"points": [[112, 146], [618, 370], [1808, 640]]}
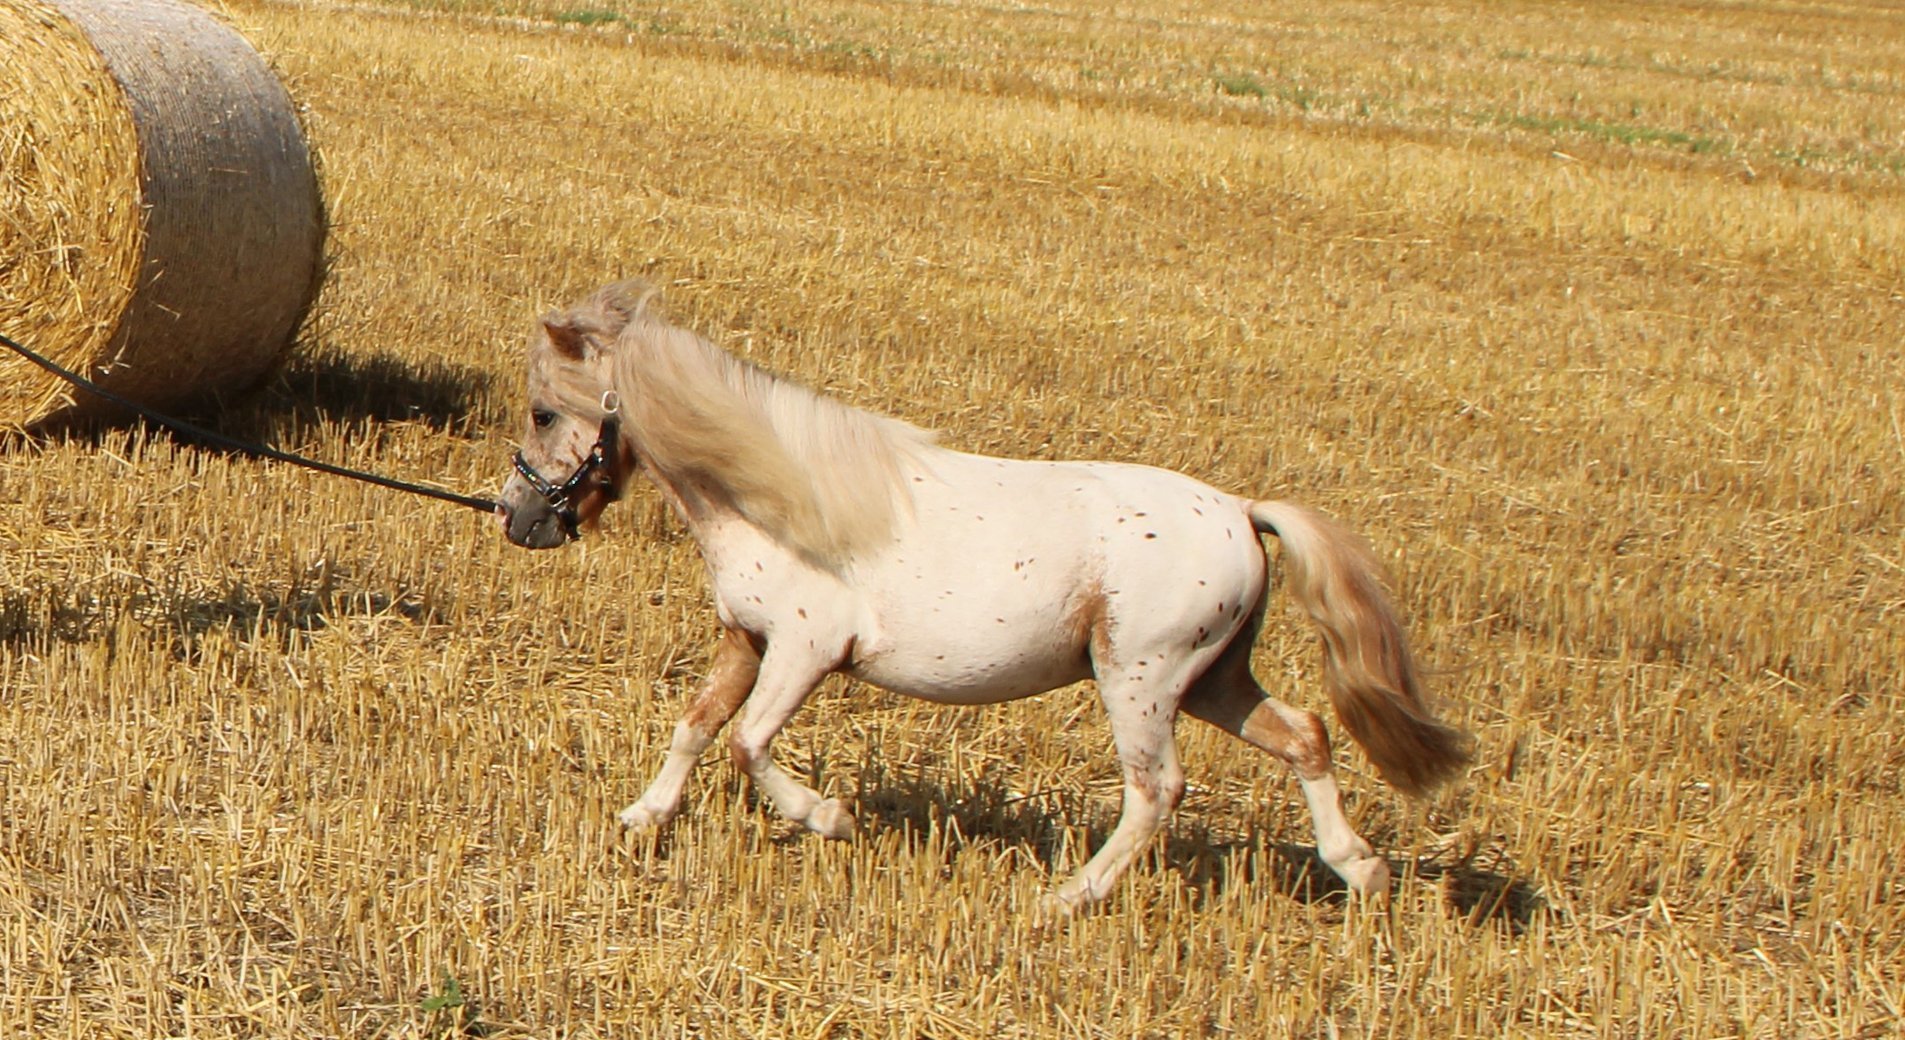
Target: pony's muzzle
{"points": [[535, 528]]}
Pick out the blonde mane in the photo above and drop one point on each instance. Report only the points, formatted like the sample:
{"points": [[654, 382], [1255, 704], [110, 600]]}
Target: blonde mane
{"points": [[821, 476]]}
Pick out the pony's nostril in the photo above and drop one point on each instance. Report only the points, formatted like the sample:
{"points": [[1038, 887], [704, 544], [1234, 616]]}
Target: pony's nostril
{"points": [[519, 528], [534, 528], [547, 533]]}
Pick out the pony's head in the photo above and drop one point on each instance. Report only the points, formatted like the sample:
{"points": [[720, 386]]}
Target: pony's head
{"points": [[575, 457]]}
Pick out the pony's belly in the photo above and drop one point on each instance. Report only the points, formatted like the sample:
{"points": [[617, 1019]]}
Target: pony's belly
{"points": [[970, 674]]}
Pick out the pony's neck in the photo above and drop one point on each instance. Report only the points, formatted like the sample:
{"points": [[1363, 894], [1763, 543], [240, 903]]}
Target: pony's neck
{"points": [[824, 478]]}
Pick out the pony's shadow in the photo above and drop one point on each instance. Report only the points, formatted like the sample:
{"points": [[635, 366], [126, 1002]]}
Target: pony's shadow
{"points": [[1481, 897], [1488, 896], [25, 621], [984, 810]]}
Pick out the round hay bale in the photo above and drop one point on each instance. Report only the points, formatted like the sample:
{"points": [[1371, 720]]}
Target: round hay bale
{"points": [[161, 230]]}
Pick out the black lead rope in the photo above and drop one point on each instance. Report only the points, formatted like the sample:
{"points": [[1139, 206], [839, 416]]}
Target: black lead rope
{"points": [[258, 451]]}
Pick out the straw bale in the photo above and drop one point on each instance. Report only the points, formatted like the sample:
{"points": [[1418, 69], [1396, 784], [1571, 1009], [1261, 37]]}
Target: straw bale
{"points": [[161, 228]]}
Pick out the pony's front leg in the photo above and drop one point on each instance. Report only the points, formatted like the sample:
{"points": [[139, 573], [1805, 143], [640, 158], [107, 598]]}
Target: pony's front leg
{"points": [[787, 677], [736, 665], [1143, 710]]}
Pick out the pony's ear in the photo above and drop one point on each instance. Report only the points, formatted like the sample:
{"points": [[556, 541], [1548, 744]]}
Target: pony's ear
{"points": [[565, 335], [622, 301]]}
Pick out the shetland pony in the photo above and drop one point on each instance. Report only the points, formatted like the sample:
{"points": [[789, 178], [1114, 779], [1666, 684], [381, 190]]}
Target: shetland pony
{"points": [[838, 540]]}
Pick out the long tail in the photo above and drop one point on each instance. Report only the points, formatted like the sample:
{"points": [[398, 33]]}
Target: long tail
{"points": [[1366, 662]]}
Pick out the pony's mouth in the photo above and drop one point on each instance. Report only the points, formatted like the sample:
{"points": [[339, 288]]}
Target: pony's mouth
{"points": [[534, 528]]}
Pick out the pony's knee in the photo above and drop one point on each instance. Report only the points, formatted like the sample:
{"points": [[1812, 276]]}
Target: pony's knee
{"points": [[745, 754], [1161, 788], [1171, 790], [1163, 794], [689, 740]]}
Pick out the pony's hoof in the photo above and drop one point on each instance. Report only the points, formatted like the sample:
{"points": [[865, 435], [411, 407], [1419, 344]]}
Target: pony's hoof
{"points": [[639, 817], [1054, 909], [830, 819], [1076, 894], [1367, 877]]}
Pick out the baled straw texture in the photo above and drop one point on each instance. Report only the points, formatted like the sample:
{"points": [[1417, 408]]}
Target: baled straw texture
{"points": [[160, 224]]}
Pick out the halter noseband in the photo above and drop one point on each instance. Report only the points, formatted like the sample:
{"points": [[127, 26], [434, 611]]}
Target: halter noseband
{"points": [[561, 497]]}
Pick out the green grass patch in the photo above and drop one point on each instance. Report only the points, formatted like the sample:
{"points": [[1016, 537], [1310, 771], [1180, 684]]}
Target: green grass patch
{"points": [[1240, 84], [1624, 133], [451, 1012], [1243, 84], [590, 16]]}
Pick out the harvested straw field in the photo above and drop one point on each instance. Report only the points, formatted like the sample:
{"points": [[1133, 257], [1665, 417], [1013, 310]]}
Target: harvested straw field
{"points": [[1587, 315]]}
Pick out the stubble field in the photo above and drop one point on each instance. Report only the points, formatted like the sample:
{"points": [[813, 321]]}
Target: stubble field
{"points": [[1588, 316]]}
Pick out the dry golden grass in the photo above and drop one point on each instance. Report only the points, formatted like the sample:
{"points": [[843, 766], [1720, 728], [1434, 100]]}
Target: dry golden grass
{"points": [[1587, 315], [71, 240]]}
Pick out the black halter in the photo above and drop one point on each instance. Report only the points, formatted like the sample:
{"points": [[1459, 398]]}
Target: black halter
{"points": [[561, 497]]}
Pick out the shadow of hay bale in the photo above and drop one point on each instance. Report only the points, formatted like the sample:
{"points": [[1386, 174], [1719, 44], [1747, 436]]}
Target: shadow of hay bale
{"points": [[315, 388], [326, 385]]}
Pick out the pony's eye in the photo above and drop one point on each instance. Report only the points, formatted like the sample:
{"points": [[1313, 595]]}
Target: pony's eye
{"points": [[542, 417]]}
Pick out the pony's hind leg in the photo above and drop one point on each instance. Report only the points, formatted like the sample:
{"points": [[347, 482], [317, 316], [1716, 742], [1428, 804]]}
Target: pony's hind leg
{"points": [[786, 678], [1229, 698], [736, 664], [1142, 709]]}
